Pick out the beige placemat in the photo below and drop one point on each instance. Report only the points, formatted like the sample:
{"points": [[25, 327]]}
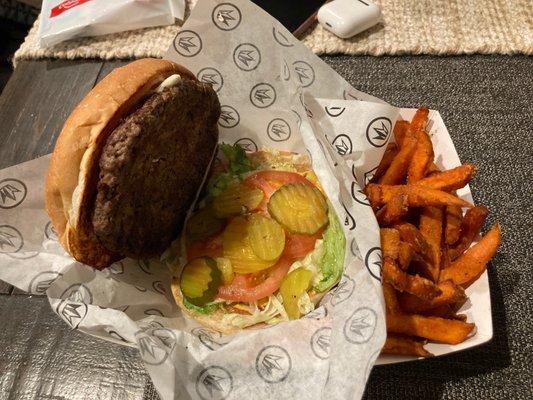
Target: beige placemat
{"points": [[409, 27]]}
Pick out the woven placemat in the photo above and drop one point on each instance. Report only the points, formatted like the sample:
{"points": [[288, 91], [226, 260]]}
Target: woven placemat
{"points": [[409, 27]]}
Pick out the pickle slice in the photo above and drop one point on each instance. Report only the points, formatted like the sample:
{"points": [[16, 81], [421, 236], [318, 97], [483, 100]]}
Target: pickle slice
{"points": [[225, 267], [236, 247], [203, 224], [200, 280], [295, 284], [236, 200], [267, 237], [299, 207]]}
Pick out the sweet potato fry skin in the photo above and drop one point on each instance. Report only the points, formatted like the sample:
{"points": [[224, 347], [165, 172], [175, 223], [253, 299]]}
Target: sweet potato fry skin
{"points": [[393, 211], [432, 328], [417, 196], [470, 227], [431, 228], [390, 242], [400, 129], [404, 282], [450, 294], [391, 300], [453, 219], [401, 345], [422, 157], [391, 152], [449, 180], [410, 234], [405, 255], [468, 267]]}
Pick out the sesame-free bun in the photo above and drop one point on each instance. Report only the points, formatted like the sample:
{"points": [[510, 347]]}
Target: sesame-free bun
{"points": [[73, 172]]}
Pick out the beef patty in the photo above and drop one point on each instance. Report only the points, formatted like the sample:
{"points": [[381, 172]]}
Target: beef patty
{"points": [[151, 167]]}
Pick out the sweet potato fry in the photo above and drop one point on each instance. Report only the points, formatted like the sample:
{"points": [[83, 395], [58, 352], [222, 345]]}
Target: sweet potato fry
{"points": [[393, 211], [422, 265], [405, 255], [432, 328], [391, 152], [431, 229], [391, 301], [400, 129], [473, 262], [470, 227], [422, 156], [401, 345], [450, 294], [453, 219], [404, 282], [398, 167], [432, 169], [390, 242], [410, 234], [449, 180], [417, 196]]}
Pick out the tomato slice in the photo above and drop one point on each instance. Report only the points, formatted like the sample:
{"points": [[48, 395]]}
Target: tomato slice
{"points": [[297, 246], [243, 289], [210, 248]]}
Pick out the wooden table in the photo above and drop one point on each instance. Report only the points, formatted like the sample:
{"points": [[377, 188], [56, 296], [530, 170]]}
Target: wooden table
{"points": [[487, 105]]}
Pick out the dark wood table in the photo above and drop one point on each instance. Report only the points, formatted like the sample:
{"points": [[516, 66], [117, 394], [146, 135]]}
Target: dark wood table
{"points": [[486, 102]]}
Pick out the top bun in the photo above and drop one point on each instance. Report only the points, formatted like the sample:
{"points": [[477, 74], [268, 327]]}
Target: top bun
{"points": [[73, 172]]}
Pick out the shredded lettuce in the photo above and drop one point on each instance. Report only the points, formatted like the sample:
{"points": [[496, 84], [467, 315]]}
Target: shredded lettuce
{"points": [[312, 262], [332, 262], [305, 305], [273, 313], [239, 164], [207, 309]]}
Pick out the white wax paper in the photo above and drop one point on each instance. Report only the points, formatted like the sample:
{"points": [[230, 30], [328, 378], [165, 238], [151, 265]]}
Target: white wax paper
{"points": [[274, 93]]}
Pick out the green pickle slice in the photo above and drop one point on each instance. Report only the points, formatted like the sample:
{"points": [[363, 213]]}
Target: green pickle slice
{"points": [[203, 224], [267, 237], [200, 280], [236, 200], [292, 287]]}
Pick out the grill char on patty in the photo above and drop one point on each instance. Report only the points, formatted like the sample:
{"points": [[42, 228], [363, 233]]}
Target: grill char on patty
{"points": [[151, 167]]}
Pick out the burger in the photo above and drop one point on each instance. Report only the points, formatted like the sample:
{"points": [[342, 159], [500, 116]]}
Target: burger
{"points": [[262, 246], [129, 161]]}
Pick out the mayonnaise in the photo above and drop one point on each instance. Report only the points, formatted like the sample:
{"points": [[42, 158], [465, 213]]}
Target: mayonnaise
{"points": [[172, 80]]}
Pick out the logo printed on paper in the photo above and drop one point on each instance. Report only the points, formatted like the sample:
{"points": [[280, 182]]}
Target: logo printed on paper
{"points": [[115, 334], [273, 364], [50, 232], [166, 337], [299, 121], [246, 56], [11, 240], [342, 144], [247, 144], [320, 342], [378, 131], [12, 193], [79, 293], [334, 111], [214, 383], [211, 76], [65, 6], [153, 311], [263, 95], [304, 72], [140, 288], [354, 248], [285, 71], [229, 117], [279, 130], [72, 312], [344, 290], [159, 287], [373, 262], [41, 282], [358, 195], [187, 43], [210, 339], [368, 174], [349, 221], [347, 94], [360, 327], [226, 16], [152, 352], [281, 38], [145, 267]]}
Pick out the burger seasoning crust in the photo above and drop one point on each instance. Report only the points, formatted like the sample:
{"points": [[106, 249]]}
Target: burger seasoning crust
{"points": [[151, 168]]}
